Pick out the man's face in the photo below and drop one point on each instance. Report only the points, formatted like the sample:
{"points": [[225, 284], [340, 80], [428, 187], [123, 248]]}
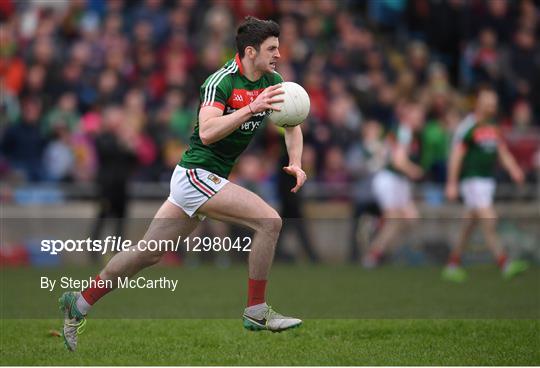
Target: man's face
{"points": [[268, 55], [113, 118], [414, 114], [31, 112], [487, 103]]}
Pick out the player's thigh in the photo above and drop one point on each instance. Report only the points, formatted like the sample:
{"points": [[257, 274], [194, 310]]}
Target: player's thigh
{"points": [[469, 217], [170, 222], [410, 212], [486, 213], [392, 214], [241, 206]]}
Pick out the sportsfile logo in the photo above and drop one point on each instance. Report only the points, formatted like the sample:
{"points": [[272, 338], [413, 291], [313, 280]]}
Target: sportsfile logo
{"points": [[119, 244], [110, 243]]}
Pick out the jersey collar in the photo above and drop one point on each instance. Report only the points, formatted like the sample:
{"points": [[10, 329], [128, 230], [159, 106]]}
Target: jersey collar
{"points": [[239, 63]]}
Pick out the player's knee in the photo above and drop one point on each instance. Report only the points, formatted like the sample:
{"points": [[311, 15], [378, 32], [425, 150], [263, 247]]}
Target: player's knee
{"points": [[276, 224], [271, 225]]}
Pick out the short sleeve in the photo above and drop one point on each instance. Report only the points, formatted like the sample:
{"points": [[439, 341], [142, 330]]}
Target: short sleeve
{"points": [[216, 90], [463, 133], [277, 78], [404, 136]]}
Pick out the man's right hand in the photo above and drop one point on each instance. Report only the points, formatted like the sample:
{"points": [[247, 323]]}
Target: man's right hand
{"points": [[517, 176], [265, 100]]}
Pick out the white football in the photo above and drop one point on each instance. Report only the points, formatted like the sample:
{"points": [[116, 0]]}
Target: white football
{"points": [[294, 108]]}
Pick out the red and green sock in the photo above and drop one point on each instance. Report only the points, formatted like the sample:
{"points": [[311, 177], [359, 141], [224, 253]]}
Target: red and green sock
{"points": [[91, 295]]}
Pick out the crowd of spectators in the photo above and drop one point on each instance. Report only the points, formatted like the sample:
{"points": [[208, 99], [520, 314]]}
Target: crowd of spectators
{"points": [[64, 63]]}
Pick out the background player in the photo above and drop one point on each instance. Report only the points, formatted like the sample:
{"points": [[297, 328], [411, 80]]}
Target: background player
{"points": [[234, 102], [392, 186], [476, 146]]}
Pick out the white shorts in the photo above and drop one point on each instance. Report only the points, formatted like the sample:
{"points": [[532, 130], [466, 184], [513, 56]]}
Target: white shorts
{"points": [[391, 190], [478, 192], [190, 188]]}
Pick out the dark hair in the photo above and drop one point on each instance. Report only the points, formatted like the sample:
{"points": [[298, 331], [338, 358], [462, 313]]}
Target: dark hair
{"points": [[253, 32]]}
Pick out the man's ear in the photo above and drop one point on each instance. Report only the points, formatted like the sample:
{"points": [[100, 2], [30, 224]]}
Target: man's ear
{"points": [[251, 52]]}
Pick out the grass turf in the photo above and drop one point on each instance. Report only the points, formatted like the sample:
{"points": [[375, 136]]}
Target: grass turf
{"points": [[416, 319], [318, 342]]}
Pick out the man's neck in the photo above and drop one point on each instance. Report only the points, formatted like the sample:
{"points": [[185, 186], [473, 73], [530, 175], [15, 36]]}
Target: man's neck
{"points": [[480, 118], [249, 70]]}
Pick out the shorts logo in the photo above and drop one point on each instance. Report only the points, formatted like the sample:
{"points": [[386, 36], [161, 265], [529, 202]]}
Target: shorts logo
{"points": [[214, 178]]}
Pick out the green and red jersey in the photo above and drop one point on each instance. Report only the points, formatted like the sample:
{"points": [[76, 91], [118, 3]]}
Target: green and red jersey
{"points": [[481, 141], [229, 90]]}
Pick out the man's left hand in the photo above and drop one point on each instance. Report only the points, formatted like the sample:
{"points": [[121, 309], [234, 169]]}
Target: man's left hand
{"points": [[298, 173]]}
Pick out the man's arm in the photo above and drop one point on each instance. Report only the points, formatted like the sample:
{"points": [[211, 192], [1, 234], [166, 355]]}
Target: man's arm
{"points": [[294, 142], [454, 167], [214, 126], [404, 164], [509, 163]]}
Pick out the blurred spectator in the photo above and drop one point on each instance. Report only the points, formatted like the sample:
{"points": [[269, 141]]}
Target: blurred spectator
{"points": [[181, 117], [58, 158], [9, 109], [333, 172], [482, 60], [436, 137], [116, 153], [12, 67], [344, 118], [313, 83], [23, 143], [523, 65], [178, 60], [448, 24], [109, 91], [386, 12], [366, 156], [417, 60], [522, 117], [497, 17], [7, 8], [152, 14], [522, 136], [65, 114], [357, 60], [382, 109], [36, 86], [291, 210]]}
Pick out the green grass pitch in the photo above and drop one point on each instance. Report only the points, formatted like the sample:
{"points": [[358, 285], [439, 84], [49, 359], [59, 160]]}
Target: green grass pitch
{"points": [[392, 316]]}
